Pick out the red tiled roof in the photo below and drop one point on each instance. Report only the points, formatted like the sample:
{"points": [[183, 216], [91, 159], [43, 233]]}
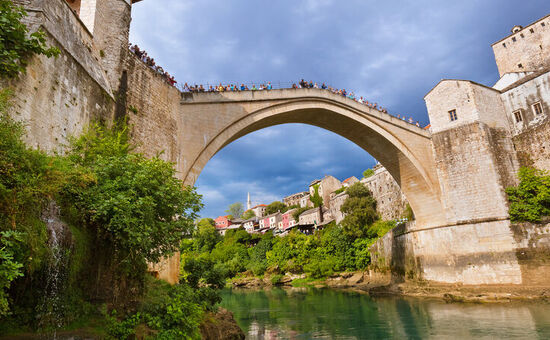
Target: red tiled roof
{"points": [[427, 126], [347, 179]]}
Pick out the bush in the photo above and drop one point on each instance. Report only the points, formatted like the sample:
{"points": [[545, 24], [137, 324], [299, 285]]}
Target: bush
{"points": [[130, 201], [9, 268], [530, 200], [16, 44], [276, 279]]}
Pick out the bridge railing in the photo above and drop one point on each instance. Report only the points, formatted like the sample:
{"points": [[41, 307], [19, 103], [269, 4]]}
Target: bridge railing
{"points": [[251, 86]]}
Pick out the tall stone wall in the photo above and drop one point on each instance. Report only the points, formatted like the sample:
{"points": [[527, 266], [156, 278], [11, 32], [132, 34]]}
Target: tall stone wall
{"points": [[59, 97], [483, 253], [152, 110], [390, 200]]}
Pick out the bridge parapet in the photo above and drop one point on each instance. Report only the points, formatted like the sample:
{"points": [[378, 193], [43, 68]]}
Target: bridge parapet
{"points": [[296, 94]]}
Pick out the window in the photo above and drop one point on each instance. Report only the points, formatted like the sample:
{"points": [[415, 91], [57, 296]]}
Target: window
{"points": [[452, 115], [532, 30], [520, 65], [542, 24], [521, 35], [514, 39], [504, 45], [537, 108], [517, 116]]}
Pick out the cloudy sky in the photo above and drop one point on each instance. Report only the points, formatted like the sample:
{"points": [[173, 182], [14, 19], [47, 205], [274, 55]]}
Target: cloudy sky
{"points": [[391, 52]]}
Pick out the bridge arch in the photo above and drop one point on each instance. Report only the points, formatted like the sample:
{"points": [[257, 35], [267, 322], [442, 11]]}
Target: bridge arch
{"points": [[404, 150]]}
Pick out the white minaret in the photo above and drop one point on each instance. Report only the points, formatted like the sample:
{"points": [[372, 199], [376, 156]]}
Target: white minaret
{"points": [[248, 203]]}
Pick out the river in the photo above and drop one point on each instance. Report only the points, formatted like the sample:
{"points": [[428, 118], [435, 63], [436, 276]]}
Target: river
{"points": [[305, 313]]}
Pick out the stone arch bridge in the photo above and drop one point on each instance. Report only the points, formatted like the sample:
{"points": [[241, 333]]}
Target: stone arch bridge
{"points": [[212, 120]]}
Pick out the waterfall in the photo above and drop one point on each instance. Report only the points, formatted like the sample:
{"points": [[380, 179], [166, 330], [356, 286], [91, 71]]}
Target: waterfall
{"points": [[51, 310]]}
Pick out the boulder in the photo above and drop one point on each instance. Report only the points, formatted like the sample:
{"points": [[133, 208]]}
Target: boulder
{"points": [[355, 279]]}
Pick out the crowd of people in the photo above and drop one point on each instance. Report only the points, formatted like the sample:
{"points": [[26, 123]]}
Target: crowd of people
{"points": [[142, 55], [300, 85]]}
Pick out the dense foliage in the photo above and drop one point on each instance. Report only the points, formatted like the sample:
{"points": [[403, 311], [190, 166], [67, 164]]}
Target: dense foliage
{"points": [[9, 268], [16, 44], [367, 173], [235, 210], [135, 205], [328, 251], [360, 210], [125, 210], [27, 179], [316, 199], [530, 200], [248, 214], [276, 206]]}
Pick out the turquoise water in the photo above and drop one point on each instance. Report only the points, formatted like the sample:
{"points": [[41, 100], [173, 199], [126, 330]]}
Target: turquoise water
{"points": [[301, 313]]}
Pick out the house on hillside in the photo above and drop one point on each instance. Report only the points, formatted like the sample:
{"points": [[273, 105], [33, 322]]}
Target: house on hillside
{"points": [[287, 221], [326, 186], [252, 224], [259, 210], [296, 199], [350, 181], [270, 221], [222, 222]]}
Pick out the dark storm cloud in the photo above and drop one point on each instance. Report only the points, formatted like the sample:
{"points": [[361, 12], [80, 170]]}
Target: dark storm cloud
{"points": [[391, 52]]}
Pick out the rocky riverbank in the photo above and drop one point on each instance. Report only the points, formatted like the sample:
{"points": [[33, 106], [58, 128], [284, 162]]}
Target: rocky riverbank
{"points": [[378, 284], [221, 326]]}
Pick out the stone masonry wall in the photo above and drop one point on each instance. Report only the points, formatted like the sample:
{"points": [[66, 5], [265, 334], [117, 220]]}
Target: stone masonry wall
{"points": [[59, 97], [390, 200], [482, 253], [152, 110], [485, 253], [465, 155]]}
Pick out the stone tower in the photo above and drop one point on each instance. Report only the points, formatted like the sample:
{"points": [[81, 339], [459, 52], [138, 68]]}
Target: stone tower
{"points": [[248, 203]]}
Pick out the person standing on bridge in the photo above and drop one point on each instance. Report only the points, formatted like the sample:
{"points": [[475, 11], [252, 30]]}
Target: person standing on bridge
{"points": [[269, 87]]}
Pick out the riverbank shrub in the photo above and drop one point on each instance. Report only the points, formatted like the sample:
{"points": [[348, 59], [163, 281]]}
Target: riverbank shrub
{"points": [[17, 44], [530, 200], [135, 205], [320, 255], [360, 211]]}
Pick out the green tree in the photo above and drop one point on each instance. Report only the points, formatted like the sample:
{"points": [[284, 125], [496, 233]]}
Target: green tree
{"points": [[275, 207], [206, 236], [530, 200], [367, 173], [136, 206], [10, 269], [316, 199], [16, 44], [360, 211], [248, 214], [235, 210]]}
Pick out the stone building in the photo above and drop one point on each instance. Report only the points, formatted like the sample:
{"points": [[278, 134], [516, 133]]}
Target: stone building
{"points": [[349, 181], [327, 185], [259, 210], [336, 202], [390, 201], [296, 199], [310, 217]]}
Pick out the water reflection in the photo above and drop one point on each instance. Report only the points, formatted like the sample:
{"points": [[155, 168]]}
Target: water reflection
{"points": [[329, 314]]}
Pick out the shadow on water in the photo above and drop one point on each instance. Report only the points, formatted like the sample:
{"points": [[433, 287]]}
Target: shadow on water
{"points": [[330, 314]]}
